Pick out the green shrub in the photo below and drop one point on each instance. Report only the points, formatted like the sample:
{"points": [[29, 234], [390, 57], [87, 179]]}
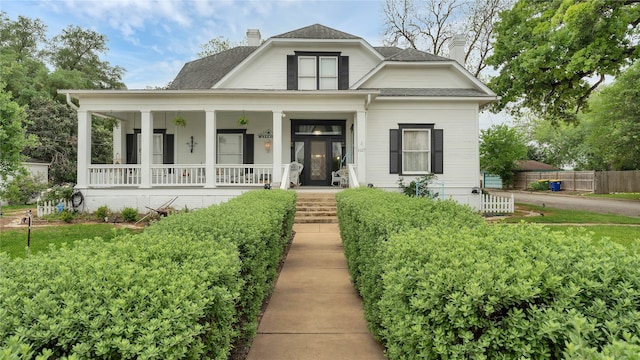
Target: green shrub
{"points": [[22, 189], [66, 216], [368, 217], [56, 193], [185, 288], [129, 214], [140, 296], [539, 185], [102, 213], [260, 223], [419, 187], [438, 283]]}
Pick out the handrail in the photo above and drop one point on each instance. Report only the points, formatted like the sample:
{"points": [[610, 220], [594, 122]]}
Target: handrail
{"points": [[284, 185], [353, 177]]}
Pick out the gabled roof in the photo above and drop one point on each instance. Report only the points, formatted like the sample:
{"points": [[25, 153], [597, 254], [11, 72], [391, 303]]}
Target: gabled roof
{"points": [[316, 31], [206, 72]]}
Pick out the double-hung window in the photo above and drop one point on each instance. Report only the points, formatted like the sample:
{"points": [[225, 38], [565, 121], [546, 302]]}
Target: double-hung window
{"points": [[317, 71], [416, 149]]}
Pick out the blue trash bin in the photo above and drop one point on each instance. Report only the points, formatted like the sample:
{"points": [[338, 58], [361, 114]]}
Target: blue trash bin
{"points": [[555, 185]]}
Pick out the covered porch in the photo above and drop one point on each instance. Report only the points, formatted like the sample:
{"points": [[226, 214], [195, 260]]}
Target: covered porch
{"points": [[162, 143]]}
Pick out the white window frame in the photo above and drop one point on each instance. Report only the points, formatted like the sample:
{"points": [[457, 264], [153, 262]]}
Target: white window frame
{"points": [[221, 140], [157, 148], [427, 151], [334, 84], [311, 76], [317, 75]]}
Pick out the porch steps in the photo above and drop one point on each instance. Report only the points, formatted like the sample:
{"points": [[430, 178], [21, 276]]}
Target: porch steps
{"points": [[316, 208]]}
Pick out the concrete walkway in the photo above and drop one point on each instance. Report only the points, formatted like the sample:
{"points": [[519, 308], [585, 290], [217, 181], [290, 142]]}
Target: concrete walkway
{"points": [[314, 312]]}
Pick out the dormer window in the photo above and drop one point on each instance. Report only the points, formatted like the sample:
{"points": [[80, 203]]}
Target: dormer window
{"points": [[317, 71]]}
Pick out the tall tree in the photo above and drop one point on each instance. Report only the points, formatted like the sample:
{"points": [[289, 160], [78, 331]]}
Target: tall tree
{"points": [[500, 147], [429, 24], [23, 37], [77, 49], [614, 120], [214, 46], [55, 126], [552, 54], [12, 134]]}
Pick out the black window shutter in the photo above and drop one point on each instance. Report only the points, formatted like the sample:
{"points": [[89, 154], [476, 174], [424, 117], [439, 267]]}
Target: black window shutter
{"points": [[247, 153], [132, 148], [437, 159], [343, 73], [292, 72], [169, 141], [394, 151]]}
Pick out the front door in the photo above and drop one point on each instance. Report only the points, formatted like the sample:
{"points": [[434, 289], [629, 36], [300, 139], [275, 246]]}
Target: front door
{"points": [[319, 146]]}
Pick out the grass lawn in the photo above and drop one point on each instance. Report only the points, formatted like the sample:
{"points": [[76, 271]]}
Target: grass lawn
{"points": [[601, 225], [558, 216], [14, 241], [624, 235], [626, 196]]}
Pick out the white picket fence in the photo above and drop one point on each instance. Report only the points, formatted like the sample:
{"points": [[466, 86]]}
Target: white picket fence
{"points": [[497, 204], [48, 208]]}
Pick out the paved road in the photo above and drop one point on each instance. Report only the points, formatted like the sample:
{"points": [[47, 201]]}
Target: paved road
{"points": [[569, 202]]}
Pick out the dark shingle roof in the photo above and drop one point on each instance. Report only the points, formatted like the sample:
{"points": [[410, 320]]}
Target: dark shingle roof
{"points": [[387, 51], [415, 55], [316, 31], [206, 72], [433, 92]]}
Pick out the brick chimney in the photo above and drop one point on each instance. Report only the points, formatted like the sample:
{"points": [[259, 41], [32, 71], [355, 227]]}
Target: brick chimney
{"points": [[456, 48], [253, 37]]}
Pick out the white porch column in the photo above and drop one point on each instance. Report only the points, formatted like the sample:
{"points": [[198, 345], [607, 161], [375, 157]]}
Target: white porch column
{"points": [[84, 148], [118, 141], [277, 148], [361, 141], [210, 148], [146, 147]]}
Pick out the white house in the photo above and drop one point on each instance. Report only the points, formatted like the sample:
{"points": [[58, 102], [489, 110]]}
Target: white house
{"points": [[315, 96]]}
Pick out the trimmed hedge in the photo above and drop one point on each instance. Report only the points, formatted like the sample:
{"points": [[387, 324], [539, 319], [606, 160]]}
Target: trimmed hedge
{"points": [[171, 292], [459, 288], [259, 223], [368, 217]]}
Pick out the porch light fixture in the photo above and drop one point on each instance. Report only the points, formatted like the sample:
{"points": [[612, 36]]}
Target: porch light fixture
{"points": [[191, 143], [267, 145]]}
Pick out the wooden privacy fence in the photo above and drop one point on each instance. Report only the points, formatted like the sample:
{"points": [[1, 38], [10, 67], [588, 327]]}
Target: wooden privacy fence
{"points": [[599, 182], [617, 181], [571, 180], [497, 204]]}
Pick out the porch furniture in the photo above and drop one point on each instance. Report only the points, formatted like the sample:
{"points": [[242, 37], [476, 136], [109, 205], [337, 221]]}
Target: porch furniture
{"points": [[294, 173], [339, 177]]}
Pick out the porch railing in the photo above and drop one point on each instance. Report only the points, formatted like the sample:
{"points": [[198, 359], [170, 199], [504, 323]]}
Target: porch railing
{"points": [[180, 175], [114, 175], [244, 174]]}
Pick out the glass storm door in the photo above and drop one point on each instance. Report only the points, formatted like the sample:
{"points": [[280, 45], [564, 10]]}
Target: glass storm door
{"points": [[318, 162]]}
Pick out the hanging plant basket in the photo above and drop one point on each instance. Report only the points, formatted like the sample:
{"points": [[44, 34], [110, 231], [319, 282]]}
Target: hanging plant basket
{"points": [[180, 121], [243, 120]]}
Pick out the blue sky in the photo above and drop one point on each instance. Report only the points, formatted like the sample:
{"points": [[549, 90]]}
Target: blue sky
{"points": [[152, 39]]}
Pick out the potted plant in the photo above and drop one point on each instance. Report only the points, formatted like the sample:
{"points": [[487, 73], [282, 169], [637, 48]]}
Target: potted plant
{"points": [[243, 120], [180, 121]]}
